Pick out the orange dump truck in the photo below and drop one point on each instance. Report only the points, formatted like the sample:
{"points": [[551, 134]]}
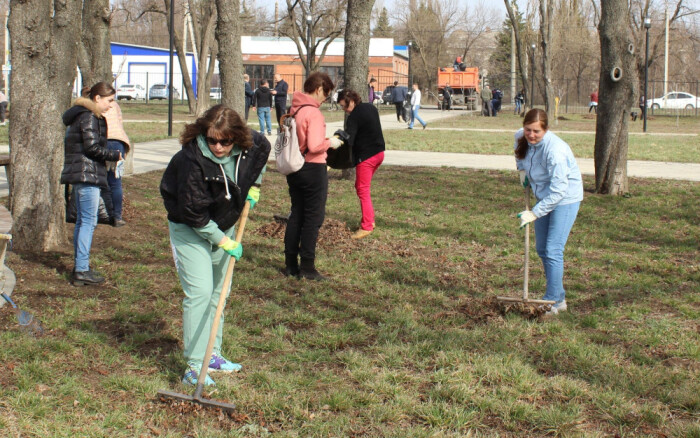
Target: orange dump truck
{"points": [[464, 84]]}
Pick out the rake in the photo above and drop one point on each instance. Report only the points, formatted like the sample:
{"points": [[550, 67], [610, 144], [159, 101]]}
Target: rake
{"points": [[27, 322], [525, 300], [197, 396]]}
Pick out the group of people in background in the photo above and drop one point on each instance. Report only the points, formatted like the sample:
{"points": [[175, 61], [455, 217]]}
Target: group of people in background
{"points": [[262, 98]]}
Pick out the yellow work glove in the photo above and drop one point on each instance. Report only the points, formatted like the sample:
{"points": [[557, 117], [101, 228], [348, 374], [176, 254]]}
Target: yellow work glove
{"points": [[253, 196], [233, 248]]}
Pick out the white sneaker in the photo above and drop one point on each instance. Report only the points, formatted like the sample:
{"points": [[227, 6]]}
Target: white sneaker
{"points": [[556, 308]]}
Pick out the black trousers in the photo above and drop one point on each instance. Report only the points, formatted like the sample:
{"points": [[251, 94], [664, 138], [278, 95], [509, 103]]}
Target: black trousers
{"points": [[308, 189], [399, 111], [247, 110], [280, 110], [3, 109]]}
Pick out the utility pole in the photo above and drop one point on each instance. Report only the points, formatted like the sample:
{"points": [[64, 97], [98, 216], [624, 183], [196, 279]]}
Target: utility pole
{"points": [[513, 78], [666, 54]]}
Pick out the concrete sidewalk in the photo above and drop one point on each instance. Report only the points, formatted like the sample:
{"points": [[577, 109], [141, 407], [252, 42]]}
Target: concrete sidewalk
{"points": [[155, 155]]}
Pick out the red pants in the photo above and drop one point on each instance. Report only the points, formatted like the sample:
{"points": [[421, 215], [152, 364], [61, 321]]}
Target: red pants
{"points": [[363, 183]]}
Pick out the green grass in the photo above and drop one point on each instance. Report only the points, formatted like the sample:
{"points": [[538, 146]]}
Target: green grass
{"points": [[685, 149], [401, 341]]}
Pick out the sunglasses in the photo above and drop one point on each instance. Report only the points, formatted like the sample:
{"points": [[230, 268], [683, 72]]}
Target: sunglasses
{"points": [[223, 141]]}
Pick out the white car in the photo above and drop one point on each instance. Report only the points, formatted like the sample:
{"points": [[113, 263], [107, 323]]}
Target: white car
{"points": [[674, 100], [215, 93], [131, 91]]}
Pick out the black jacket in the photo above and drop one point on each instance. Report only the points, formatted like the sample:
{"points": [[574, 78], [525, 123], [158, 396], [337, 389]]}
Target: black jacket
{"points": [[365, 131], [263, 98], [85, 145], [281, 88], [193, 187], [248, 94]]}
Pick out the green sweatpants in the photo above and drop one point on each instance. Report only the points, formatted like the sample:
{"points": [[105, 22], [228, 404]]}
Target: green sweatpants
{"points": [[201, 270]]}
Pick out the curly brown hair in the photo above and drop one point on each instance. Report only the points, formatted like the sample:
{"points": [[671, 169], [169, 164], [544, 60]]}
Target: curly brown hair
{"points": [[224, 121]]}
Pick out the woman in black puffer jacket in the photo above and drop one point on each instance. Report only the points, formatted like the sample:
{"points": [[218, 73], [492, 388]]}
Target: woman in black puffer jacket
{"points": [[84, 168]]}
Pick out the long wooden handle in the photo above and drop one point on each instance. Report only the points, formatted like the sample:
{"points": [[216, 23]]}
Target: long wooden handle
{"points": [[526, 264], [220, 307]]}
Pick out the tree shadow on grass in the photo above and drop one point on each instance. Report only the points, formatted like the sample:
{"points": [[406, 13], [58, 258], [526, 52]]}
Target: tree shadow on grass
{"points": [[141, 334]]}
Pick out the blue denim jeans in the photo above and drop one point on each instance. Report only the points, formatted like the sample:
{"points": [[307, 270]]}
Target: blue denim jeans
{"points": [[517, 107], [115, 184], [87, 202], [264, 117], [415, 116], [551, 233]]}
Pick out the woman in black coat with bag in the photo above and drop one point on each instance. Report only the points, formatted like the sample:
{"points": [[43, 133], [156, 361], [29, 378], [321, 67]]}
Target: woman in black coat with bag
{"points": [[366, 139], [84, 168]]}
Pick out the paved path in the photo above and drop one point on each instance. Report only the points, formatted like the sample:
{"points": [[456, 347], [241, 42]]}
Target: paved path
{"points": [[155, 155]]}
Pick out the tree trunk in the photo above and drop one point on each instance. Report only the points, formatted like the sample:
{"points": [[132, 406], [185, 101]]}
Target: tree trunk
{"points": [[356, 62], [546, 30], [618, 83], [228, 35], [94, 52], [520, 49], [207, 51], [182, 60], [44, 40]]}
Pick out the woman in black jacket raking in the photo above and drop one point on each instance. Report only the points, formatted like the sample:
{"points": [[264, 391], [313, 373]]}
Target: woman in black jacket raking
{"points": [[204, 189], [84, 168], [367, 141]]}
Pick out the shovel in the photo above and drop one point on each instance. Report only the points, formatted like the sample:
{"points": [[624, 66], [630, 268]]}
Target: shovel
{"points": [[197, 396], [26, 320]]}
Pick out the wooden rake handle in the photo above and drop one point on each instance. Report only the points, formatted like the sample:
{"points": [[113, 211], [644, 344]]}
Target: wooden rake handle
{"points": [[220, 307]]}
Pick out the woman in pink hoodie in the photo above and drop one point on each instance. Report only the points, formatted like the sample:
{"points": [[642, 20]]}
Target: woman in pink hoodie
{"points": [[308, 187]]}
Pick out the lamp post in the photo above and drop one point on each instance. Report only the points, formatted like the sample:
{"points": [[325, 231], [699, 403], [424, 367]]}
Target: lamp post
{"points": [[532, 79], [410, 78], [647, 25], [309, 19], [170, 69]]}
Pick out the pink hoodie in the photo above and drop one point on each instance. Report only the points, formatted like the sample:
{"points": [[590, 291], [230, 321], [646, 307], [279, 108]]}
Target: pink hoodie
{"points": [[311, 127]]}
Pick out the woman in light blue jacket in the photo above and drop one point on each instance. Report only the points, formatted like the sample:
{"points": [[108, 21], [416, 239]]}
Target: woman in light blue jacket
{"points": [[548, 166]]}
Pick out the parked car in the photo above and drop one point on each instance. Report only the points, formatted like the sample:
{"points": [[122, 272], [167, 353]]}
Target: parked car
{"points": [[131, 91], [674, 100], [160, 92], [215, 93]]}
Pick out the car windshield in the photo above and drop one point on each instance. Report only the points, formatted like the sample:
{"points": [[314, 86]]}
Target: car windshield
{"points": [[160, 86], [127, 86]]}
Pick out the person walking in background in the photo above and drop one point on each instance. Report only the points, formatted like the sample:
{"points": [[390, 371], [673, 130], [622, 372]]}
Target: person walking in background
{"points": [[547, 165], [280, 93], [3, 108], [84, 168], [486, 97], [117, 140], [447, 97], [519, 101], [370, 90], [593, 105], [308, 187], [496, 101], [415, 106], [367, 143], [204, 190], [398, 96], [262, 101], [249, 95]]}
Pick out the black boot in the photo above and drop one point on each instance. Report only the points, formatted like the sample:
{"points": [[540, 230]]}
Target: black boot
{"points": [[308, 270], [87, 277], [291, 265]]}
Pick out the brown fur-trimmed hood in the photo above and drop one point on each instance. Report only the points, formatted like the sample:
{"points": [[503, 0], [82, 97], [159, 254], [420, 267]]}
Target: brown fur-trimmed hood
{"points": [[80, 105]]}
